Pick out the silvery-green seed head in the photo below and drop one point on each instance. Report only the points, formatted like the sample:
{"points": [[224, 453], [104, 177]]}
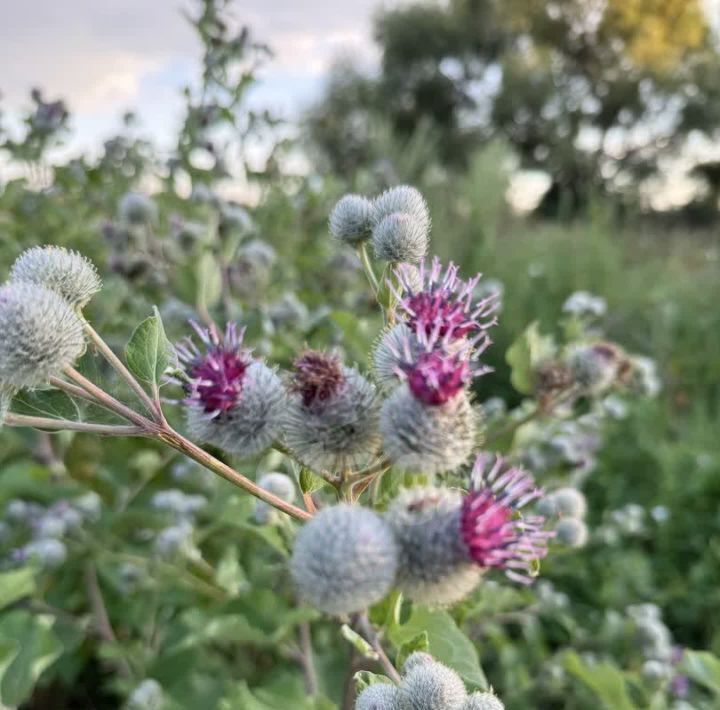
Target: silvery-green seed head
{"points": [[595, 367], [68, 273], [571, 532], [421, 438], [176, 540], [337, 432], [379, 696], [49, 553], [137, 209], [399, 237], [416, 658], [148, 695], [282, 486], [389, 353], [252, 424], [433, 565], [351, 219], [569, 503], [41, 335], [402, 198], [432, 687], [483, 701], [344, 559]]}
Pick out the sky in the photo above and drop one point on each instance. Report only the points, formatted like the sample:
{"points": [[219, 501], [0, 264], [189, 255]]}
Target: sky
{"points": [[105, 57]]}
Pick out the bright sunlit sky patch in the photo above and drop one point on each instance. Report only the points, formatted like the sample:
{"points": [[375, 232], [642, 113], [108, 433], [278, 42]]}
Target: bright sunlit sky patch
{"points": [[109, 56]]}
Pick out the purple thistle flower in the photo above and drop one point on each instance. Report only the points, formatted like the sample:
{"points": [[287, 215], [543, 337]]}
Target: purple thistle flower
{"points": [[318, 376], [444, 307], [437, 377], [494, 534], [216, 376]]}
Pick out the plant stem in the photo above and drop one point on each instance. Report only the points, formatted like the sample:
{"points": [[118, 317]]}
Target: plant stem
{"points": [[373, 639], [109, 402], [194, 452], [120, 368], [369, 271], [49, 424], [307, 659]]}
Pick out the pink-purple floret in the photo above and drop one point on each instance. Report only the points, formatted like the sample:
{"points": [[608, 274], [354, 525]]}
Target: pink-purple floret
{"points": [[492, 530], [215, 376]]}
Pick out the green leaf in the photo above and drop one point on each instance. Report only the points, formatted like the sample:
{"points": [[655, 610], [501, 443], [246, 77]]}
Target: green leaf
{"points": [[604, 679], [446, 642], [525, 354], [149, 352], [15, 585], [309, 482], [704, 668], [362, 646], [229, 575], [421, 642], [50, 402], [38, 648], [364, 679]]}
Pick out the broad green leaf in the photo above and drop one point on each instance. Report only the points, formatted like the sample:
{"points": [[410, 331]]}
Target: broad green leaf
{"points": [[149, 352], [49, 403], [604, 679], [362, 646], [446, 642], [38, 648], [417, 643], [309, 482], [530, 349], [15, 585], [704, 668]]}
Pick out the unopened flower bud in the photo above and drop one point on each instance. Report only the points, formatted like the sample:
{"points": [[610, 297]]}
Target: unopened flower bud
{"points": [[345, 559], [279, 484], [416, 658], [571, 532], [432, 687], [137, 209], [49, 553], [399, 237], [483, 701], [405, 199], [569, 503], [422, 438], [379, 696], [331, 421], [351, 219], [596, 367], [41, 335], [68, 273], [148, 695]]}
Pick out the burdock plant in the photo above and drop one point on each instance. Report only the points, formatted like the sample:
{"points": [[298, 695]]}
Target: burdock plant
{"points": [[366, 448]]}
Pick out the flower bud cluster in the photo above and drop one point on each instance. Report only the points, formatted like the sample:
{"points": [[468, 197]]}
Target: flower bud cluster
{"points": [[38, 533], [569, 505], [432, 543], [426, 684]]}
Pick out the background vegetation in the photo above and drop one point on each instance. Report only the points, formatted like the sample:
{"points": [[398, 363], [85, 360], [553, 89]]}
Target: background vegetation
{"points": [[468, 92]]}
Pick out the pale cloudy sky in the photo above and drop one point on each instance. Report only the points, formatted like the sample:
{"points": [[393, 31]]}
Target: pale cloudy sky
{"points": [[107, 56]]}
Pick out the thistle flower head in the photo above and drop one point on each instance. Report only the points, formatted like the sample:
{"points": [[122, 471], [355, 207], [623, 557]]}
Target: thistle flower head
{"points": [[68, 273], [215, 376], [598, 366], [400, 237], [318, 377], [429, 439], [569, 503], [344, 559], [233, 401], [494, 535], [279, 484], [433, 567], [41, 335], [443, 307], [483, 701], [403, 199], [432, 686], [379, 696], [331, 420], [416, 658], [437, 377], [351, 219]]}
